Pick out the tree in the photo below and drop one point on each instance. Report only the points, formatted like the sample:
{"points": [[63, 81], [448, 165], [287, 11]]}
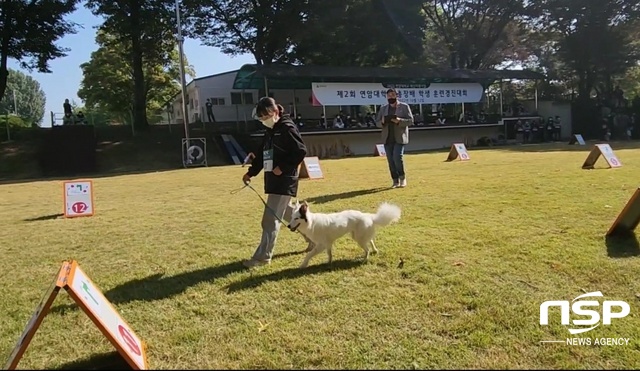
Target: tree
{"points": [[93, 115], [360, 33], [630, 82], [144, 30], [596, 40], [29, 31], [480, 34], [266, 29], [107, 84], [29, 98]]}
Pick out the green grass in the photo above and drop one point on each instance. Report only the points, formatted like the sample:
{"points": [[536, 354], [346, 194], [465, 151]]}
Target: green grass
{"points": [[484, 243]]}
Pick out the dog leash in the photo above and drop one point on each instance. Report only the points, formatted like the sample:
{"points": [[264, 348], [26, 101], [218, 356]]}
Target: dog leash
{"points": [[248, 185]]}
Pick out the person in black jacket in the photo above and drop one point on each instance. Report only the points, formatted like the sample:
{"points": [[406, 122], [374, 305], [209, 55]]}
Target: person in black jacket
{"points": [[281, 154]]}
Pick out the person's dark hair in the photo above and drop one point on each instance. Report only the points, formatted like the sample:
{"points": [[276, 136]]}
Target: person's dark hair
{"points": [[391, 90], [267, 105]]}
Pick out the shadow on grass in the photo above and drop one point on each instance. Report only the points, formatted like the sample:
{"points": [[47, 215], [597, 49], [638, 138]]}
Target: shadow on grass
{"points": [[43, 217], [103, 361], [158, 287], [291, 273], [622, 246], [345, 195]]}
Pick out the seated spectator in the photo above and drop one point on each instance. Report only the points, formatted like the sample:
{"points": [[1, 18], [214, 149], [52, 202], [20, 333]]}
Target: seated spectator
{"points": [[440, 120], [361, 121], [323, 122], [347, 122], [68, 119], [299, 122], [482, 117], [469, 118], [370, 120], [80, 119], [338, 123], [418, 120]]}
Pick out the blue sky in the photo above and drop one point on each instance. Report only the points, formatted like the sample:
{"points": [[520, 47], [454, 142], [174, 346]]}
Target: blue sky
{"points": [[66, 75]]}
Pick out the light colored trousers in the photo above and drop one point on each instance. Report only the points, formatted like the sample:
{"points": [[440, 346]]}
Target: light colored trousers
{"points": [[280, 206]]}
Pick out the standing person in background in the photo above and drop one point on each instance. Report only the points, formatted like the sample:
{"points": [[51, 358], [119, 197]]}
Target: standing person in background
{"points": [[67, 107], [394, 119], [280, 156]]}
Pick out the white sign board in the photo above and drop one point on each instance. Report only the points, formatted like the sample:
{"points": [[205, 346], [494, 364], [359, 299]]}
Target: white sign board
{"points": [[104, 312], [78, 198], [609, 156], [359, 94], [462, 151], [310, 168]]}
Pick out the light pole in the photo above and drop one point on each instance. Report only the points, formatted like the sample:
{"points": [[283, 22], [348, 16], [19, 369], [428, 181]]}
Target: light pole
{"points": [[182, 74]]}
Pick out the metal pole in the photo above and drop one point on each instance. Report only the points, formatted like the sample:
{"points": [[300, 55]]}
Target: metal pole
{"points": [[8, 131], [15, 103], [183, 82]]}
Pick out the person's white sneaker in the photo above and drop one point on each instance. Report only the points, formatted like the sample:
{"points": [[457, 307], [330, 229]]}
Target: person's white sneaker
{"points": [[396, 183], [252, 263], [403, 183]]}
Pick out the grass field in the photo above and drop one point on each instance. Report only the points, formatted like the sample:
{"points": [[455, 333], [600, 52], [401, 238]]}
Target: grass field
{"points": [[484, 243]]}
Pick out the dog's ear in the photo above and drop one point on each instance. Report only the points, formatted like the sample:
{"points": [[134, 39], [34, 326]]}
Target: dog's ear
{"points": [[297, 203]]}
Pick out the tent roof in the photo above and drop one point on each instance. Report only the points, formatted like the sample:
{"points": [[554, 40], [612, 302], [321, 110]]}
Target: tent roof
{"points": [[285, 76]]}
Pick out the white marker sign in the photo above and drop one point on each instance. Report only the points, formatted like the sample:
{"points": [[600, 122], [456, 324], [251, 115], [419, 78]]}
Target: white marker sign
{"points": [[78, 198], [104, 312]]}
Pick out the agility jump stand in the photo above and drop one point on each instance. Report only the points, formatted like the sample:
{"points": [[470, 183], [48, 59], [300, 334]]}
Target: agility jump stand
{"points": [[577, 138], [628, 219], [379, 150], [458, 150], [310, 169], [88, 297], [606, 152]]}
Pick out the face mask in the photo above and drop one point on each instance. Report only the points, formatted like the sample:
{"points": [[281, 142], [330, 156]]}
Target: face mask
{"points": [[270, 122], [392, 100]]}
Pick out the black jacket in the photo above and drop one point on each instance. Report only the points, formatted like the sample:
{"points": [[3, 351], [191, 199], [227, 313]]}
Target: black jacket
{"points": [[288, 152]]}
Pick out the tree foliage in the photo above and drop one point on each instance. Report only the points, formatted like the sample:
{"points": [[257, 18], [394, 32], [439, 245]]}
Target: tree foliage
{"points": [[29, 98], [264, 29], [480, 33], [360, 33], [144, 30], [108, 85], [595, 40], [29, 31], [95, 115]]}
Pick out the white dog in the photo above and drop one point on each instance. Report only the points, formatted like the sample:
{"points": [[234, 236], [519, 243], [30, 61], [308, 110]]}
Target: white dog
{"points": [[324, 229]]}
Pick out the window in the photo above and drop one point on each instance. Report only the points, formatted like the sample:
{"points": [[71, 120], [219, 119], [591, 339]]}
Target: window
{"points": [[236, 98], [217, 101]]}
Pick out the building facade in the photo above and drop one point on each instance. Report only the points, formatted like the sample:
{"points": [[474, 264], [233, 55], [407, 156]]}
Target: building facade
{"points": [[235, 106]]}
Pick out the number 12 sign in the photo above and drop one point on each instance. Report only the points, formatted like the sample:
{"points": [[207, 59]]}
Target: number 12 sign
{"points": [[78, 198]]}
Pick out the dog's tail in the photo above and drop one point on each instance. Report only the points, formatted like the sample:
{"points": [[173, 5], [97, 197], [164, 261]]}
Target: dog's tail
{"points": [[386, 214]]}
